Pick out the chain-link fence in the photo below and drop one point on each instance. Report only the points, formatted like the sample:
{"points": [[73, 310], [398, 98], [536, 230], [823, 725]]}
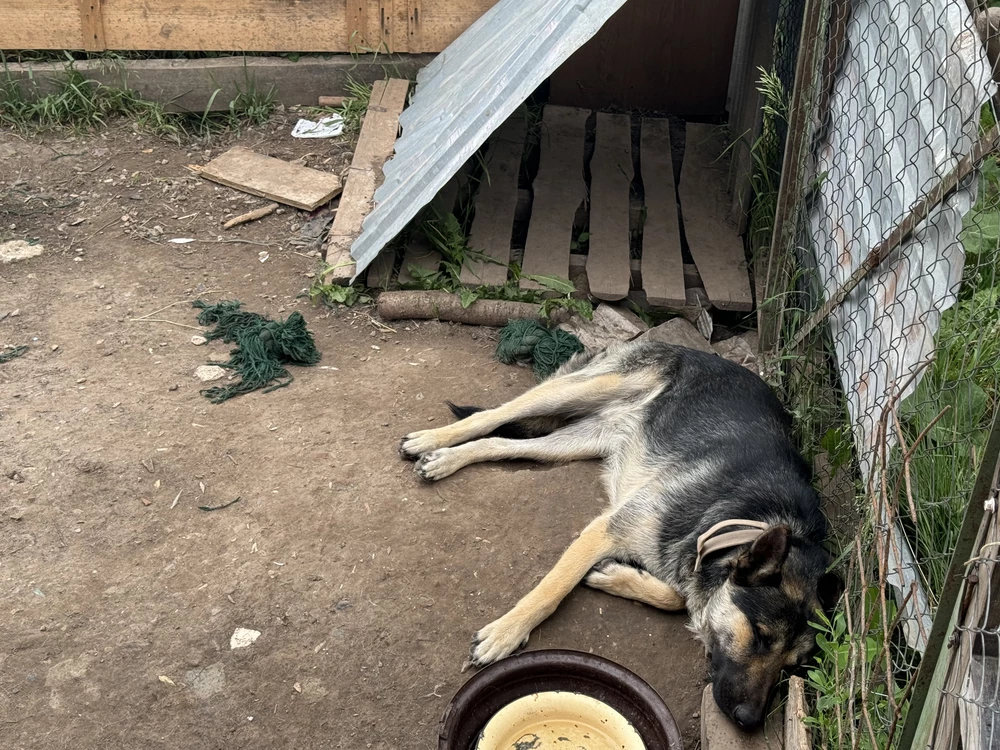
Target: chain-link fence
{"points": [[880, 310]]}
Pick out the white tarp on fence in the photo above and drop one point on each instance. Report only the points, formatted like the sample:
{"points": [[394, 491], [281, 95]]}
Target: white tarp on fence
{"points": [[904, 110]]}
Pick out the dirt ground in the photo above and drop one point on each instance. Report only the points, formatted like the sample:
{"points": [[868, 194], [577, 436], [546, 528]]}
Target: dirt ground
{"points": [[118, 596]]}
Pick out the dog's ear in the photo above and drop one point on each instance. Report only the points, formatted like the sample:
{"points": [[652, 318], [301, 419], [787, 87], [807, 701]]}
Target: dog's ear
{"points": [[828, 590], [761, 564]]}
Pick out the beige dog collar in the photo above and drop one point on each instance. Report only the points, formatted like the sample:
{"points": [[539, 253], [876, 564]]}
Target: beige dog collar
{"points": [[709, 542]]}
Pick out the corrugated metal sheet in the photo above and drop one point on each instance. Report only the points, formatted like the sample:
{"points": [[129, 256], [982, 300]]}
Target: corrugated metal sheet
{"points": [[465, 94], [904, 110]]}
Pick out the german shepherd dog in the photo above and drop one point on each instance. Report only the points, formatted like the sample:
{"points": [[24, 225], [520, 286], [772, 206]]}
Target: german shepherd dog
{"points": [[711, 507]]}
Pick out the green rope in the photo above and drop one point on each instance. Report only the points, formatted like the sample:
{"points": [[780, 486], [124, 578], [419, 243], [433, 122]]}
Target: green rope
{"points": [[526, 341], [11, 352], [263, 347]]}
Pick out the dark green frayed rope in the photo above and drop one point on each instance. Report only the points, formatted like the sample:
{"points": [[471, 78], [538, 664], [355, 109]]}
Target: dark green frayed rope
{"points": [[527, 341], [11, 352], [263, 347]]}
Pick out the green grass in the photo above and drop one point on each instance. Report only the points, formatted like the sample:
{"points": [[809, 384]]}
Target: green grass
{"points": [[81, 104]]}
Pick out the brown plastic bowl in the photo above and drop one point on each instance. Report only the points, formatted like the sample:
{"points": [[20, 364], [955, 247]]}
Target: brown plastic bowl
{"points": [[539, 671]]}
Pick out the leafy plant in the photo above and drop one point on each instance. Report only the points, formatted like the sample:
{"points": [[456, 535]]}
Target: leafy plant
{"points": [[445, 234], [335, 294]]}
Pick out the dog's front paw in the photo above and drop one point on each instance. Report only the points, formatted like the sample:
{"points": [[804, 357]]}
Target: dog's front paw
{"points": [[416, 444], [606, 576], [498, 639], [438, 464]]}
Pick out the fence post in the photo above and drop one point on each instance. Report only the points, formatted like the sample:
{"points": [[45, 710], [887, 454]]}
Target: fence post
{"points": [[933, 664], [92, 25], [772, 268]]}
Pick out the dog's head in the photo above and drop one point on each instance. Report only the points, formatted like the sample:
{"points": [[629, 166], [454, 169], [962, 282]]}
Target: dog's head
{"points": [[757, 623]]}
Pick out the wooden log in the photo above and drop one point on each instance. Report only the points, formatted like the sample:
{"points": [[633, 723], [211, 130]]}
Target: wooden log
{"points": [[407, 305]]}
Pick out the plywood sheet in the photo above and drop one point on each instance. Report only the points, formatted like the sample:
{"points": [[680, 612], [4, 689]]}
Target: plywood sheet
{"points": [[272, 178], [611, 178], [40, 24], [559, 189], [667, 56], [496, 205], [662, 261], [706, 207]]}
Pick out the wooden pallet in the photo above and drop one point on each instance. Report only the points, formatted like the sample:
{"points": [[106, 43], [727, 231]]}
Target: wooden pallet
{"points": [[558, 202]]}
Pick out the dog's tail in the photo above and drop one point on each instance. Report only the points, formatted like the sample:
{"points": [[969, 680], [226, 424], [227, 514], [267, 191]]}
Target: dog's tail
{"points": [[526, 428]]}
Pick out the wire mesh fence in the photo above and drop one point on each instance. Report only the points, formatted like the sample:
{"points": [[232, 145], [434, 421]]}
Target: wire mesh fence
{"points": [[882, 287]]}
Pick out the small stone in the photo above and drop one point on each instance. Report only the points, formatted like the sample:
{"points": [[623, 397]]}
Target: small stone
{"points": [[174, 387], [243, 637], [208, 373], [54, 347], [146, 502], [16, 313], [18, 250], [678, 331], [207, 682], [199, 340]]}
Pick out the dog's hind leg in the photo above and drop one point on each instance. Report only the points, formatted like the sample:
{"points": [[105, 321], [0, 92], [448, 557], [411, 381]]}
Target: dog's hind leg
{"points": [[587, 438], [571, 395], [504, 636], [631, 583]]}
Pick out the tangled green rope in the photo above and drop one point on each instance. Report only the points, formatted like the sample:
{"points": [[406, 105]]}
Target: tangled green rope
{"points": [[11, 352], [526, 341], [263, 347]]}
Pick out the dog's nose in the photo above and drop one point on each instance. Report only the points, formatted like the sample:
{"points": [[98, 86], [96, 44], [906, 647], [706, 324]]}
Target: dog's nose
{"points": [[747, 717]]}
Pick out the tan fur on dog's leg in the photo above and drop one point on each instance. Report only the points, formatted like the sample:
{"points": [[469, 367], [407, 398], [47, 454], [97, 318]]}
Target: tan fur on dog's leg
{"points": [[631, 583], [570, 393], [504, 636]]}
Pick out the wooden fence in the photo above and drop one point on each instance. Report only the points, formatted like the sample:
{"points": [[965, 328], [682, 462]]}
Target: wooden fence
{"points": [[237, 25]]}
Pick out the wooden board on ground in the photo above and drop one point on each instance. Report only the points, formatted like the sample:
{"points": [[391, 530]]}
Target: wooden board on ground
{"points": [[375, 145], [272, 178], [496, 205], [380, 271], [711, 234], [559, 190], [420, 252], [662, 262], [611, 178]]}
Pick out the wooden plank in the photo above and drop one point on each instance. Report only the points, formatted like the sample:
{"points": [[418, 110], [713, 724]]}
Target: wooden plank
{"points": [[559, 189], [40, 24], [210, 84], [243, 25], [275, 25], [92, 25], [662, 261], [380, 271], [711, 234], [496, 205], [357, 26], [745, 117], [375, 145], [665, 56], [272, 178], [420, 252], [611, 178]]}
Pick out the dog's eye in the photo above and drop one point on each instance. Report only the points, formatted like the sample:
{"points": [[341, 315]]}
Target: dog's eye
{"points": [[764, 639]]}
